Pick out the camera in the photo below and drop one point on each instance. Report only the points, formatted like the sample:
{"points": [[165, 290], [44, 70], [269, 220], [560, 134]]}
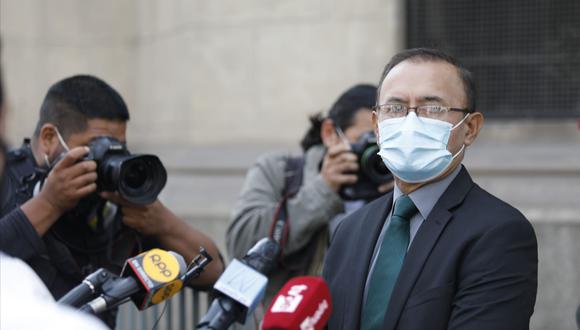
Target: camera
{"points": [[138, 178], [372, 171]]}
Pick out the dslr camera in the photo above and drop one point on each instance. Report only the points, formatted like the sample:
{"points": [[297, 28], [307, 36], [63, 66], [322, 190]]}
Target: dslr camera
{"points": [[372, 171], [137, 178]]}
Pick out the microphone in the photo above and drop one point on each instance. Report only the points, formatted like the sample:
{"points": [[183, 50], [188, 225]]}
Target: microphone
{"points": [[197, 266], [302, 303], [146, 279], [89, 287], [242, 286]]}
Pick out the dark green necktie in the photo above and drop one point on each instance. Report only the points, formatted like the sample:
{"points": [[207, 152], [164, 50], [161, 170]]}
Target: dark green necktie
{"points": [[388, 264]]}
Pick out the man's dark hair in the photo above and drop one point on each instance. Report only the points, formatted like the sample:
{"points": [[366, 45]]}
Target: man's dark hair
{"points": [[428, 54], [342, 112], [69, 103]]}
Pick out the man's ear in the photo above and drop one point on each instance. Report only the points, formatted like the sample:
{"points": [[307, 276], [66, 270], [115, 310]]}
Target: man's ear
{"points": [[47, 140], [474, 125], [376, 124], [328, 133]]}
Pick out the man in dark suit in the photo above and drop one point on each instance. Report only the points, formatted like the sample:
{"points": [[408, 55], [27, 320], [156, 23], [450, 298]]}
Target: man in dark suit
{"points": [[439, 252]]}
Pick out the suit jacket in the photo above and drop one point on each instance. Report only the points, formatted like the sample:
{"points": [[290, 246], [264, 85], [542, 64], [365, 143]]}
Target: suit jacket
{"points": [[472, 265]]}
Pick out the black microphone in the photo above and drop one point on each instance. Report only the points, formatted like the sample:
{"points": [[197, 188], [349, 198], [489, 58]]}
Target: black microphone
{"points": [[263, 256], [147, 279], [242, 286], [121, 289], [88, 289], [197, 266]]}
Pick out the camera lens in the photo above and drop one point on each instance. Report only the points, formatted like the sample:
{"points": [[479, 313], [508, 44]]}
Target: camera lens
{"points": [[372, 171], [138, 178], [141, 178], [379, 167], [373, 166], [136, 175]]}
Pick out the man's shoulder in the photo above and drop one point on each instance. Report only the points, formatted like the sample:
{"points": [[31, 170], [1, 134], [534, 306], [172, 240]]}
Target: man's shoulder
{"points": [[276, 158], [19, 179], [486, 198], [275, 164], [477, 203], [20, 159], [20, 165], [485, 210]]}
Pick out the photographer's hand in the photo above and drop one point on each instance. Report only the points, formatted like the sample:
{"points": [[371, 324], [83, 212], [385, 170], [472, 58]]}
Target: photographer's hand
{"points": [[146, 219], [338, 165], [68, 181], [173, 233]]}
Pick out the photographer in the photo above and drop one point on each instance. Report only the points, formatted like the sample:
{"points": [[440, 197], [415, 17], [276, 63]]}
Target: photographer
{"points": [[313, 211], [52, 215]]}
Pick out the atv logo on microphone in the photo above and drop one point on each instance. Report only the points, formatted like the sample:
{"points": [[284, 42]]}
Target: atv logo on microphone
{"points": [[289, 303], [310, 322]]}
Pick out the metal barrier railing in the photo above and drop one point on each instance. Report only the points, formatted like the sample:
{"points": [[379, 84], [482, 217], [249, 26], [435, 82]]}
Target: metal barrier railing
{"points": [[182, 312]]}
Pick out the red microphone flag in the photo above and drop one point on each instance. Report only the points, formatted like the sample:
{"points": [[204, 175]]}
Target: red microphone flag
{"points": [[302, 303]]}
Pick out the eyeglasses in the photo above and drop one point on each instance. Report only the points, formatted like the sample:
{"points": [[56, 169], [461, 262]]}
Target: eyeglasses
{"points": [[396, 110]]}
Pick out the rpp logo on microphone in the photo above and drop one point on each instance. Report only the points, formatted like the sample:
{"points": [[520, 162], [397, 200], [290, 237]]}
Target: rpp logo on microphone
{"points": [[161, 266], [288, 303]]}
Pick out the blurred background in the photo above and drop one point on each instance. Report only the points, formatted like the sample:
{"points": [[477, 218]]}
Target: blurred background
{"points": [[213, 84]]}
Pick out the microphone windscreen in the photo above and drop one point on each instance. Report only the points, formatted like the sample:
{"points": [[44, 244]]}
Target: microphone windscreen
{"points": [[243, 284], [302, 303], [158, 271]]}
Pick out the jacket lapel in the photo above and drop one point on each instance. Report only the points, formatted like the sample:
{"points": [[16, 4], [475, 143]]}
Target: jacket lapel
{"points": [[423, 243], [361, 253]]}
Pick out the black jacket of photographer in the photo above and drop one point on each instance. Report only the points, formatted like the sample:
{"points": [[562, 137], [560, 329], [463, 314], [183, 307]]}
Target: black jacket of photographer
{"points": [[74, 247]]}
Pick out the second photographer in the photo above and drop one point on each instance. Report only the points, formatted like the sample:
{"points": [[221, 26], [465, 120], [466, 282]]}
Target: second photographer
{"points": [[338, 173]]}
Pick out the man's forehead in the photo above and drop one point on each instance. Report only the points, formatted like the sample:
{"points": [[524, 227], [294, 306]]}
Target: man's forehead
{"points": [[427, 68], [424, 80], [95, 134], [102, 123], [100, 127]]}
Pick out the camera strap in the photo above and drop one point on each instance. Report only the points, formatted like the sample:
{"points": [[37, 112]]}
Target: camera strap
{"points": [[300, 262], [293, 173]]}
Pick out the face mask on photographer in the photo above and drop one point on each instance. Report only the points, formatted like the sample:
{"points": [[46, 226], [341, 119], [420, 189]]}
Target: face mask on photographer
{"points": [[415, 149], [49, 164]]}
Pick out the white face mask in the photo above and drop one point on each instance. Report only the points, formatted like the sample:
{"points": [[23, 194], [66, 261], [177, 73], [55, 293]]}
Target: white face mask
{"points": [[415, 149], [50, 164]]}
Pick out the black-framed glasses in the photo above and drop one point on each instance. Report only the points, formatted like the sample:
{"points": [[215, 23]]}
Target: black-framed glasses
{"points": [[396, 110]]}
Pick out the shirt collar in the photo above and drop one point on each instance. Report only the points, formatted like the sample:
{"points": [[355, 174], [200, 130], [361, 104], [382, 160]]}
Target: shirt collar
{"points": [[427, 196]]}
